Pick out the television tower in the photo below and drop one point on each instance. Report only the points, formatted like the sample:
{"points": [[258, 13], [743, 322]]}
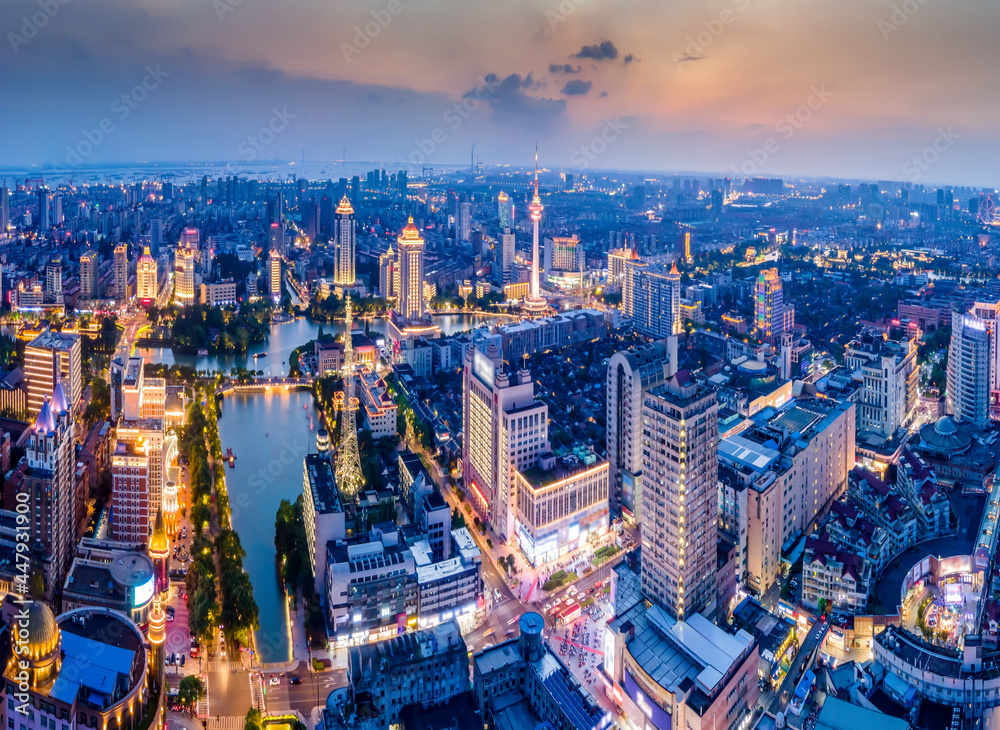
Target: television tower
{"points": [[349, 477], [534, 301]]}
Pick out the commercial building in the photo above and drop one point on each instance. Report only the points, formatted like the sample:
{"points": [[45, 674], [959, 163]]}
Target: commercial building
{"points": [[274, 274], [548, 333], [147, 284], [343, 237], [88, 275], [778, 475], [130, 500], [410, 302], [888, 369], [121, 272], [448, 588], [968, 386], [519, 683], [377, 406], [505, 259], [322, 513], [631, 375], [617, 260], [88, 668], [219, 293], [50, 357], [505, 429], [561, 503], [388, 275], [772, 315], [184, 260], [669, 673], [426, 667], [680, 505], [370, 587], [110, 574], [562, 254], [49, 481], [651, 299]]}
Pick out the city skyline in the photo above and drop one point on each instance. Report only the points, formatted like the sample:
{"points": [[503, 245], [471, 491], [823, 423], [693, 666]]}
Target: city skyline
{"points": [[883, 93]]}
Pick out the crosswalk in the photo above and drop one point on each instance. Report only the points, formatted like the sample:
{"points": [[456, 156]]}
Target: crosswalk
{"points": [[203, 708], [226, 723], [222, 665], [257, 691]]}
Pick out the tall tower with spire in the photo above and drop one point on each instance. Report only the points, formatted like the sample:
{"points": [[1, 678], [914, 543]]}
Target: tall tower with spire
{"points": [[534, 302], [349, 478]]}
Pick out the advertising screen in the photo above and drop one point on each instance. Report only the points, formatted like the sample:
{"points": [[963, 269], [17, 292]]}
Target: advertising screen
{"points": [[143, 593]]}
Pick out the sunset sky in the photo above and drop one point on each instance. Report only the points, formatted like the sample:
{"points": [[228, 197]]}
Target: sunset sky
{"points": [[688, 85]]}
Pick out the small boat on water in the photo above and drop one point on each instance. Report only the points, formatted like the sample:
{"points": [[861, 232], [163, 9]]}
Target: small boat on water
{"points": [[231, 457], [259, 354]]}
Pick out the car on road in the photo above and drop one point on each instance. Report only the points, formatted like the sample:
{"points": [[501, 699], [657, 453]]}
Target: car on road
{"points": [[295, 680], [548, 607], [274, 681]]}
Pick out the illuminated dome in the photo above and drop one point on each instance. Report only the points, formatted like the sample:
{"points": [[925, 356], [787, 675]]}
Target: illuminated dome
{"points": [[45, 422], [945, 437], [410, 233], [60, 404], [43, 639], [344, 208], [159, 544]]}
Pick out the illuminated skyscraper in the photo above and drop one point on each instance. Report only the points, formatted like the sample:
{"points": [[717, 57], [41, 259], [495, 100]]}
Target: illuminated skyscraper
{"points": [[145, 275], [680, 506], [772, 316], [88, 275], [51, 357], [535, 302], [343, 234], [121, 272], [410, 303], [274, 274], [968, 389], [190, 239], [503, 210], [506, 257], [388, 274], [184, 275]]}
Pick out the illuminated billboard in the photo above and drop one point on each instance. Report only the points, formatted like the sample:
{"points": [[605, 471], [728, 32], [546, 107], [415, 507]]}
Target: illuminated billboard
{"points": [[143, 593]]}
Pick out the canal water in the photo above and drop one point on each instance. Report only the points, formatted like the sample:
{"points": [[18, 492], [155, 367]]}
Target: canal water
{"points": [[270, 435], [286, 337]]}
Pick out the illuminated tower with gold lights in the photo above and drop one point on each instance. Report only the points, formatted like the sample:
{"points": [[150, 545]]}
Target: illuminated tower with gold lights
{"points": [[159, 551], [534, 301], [349, 478]]}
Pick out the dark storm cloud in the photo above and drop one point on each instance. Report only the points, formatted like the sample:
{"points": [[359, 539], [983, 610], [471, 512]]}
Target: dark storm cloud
{"points": [[577, 87], [603, 51], [508, 98], [563, 68], [628, 59]]}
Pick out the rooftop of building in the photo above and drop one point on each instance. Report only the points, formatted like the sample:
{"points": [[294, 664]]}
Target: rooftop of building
{"points": [[441, 570], [54, 340], [411, 648], [552, 469], [323, 485], [459, 713], [675, 653], [133, 371]]}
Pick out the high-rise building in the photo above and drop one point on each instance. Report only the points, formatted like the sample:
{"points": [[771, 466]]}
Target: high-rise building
{"points": [[141, 444], [274, 274], [50, 485], [889, 372], [505, 429], [680, 505], [563, 253], [343, 234], [617, 259], [50, 357], [410, 303], [276, 238], [4, 210], [387, 274], [156, 238], [684, 246], [506, 258], [121, 272], [88, 275], [773, 317], [53, 279], [184, 275], [968, 385], [190, 239], [44, 216], [146, 277], [631, 375], [535, 302], [651, 299], [503, 210], [463, 224]]}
